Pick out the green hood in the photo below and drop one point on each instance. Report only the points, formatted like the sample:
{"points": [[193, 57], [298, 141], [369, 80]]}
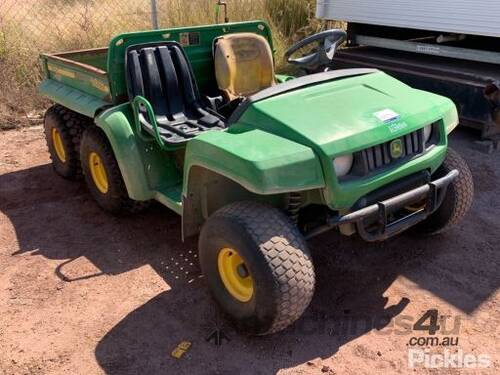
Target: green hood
{"points": [[347, 114]]}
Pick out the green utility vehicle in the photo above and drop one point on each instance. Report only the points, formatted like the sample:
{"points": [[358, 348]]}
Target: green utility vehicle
{"points": [[255, 163]]}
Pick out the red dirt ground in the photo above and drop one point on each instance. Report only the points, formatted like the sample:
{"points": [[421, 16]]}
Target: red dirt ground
{"points": [[83, 292]]}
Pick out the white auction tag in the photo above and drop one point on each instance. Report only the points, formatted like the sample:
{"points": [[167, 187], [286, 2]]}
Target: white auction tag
{"points": [[386, 115]]}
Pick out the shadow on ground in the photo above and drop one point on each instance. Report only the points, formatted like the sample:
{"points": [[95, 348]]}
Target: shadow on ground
{"points": [[58, 220]]}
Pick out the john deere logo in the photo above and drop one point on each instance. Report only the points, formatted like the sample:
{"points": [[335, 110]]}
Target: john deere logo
{"points": [[396, 148]]}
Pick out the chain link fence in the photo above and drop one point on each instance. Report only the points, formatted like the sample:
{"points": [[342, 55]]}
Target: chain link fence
{"points": [[55, 24], [30, 27]]}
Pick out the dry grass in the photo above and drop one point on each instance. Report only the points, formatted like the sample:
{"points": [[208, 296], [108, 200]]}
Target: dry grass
{"points": [[28, 27]]}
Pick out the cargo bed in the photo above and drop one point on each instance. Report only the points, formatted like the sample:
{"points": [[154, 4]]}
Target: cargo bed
{"points": [[78, 79]]}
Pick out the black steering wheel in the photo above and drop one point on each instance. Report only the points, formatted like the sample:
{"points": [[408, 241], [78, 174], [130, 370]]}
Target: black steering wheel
{"points": [[327, 41]]}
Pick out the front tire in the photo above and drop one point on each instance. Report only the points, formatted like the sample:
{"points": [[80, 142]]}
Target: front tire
{"points": [[257, 266], [103, 176], [458, 198]]}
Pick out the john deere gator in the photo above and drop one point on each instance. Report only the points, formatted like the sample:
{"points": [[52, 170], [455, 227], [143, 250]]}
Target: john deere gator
{"points": [[255, 163]]}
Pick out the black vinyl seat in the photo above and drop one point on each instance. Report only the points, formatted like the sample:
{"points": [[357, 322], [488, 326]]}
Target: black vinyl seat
{"points": [[162, 74]]}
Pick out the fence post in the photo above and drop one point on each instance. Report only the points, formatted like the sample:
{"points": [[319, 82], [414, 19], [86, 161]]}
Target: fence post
{"points": [[154, 15]]}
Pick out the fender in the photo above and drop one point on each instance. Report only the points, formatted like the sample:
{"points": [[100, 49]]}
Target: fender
{"points": [[135, 155], [223, 167], [261, 162], [117, 125]]}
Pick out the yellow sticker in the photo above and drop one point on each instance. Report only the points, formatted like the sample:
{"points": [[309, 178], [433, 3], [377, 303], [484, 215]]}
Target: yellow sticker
{"points": [[62, 72], [181, 349], [99, 85]]}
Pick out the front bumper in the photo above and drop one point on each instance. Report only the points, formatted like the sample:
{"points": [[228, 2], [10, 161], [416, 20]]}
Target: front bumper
{"points": [[379, 215]]}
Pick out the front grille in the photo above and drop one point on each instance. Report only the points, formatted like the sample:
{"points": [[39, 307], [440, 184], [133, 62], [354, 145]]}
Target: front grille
{"points": [[376, 157]]}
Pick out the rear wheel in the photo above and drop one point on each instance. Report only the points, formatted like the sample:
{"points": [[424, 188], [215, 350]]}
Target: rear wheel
{"points": [[458, 198], [257, 266], [63, 130], [102, 174]]}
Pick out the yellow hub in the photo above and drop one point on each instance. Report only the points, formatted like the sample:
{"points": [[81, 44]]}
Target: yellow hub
{"points": [[98, 172], [58, 145], [235, 275]]}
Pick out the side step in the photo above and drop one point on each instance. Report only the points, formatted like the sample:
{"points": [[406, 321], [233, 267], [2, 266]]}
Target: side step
{"points": [[171, 197]]}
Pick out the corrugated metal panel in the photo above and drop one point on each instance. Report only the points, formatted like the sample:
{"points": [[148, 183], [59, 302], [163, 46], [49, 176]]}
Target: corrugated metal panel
{"points": [[481, 17]]}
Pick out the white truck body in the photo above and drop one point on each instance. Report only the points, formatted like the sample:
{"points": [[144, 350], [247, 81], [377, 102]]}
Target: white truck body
{"points": [[480, 17]]}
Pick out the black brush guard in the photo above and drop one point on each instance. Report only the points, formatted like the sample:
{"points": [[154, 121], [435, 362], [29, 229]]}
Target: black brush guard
{"points": [[378, 214]]}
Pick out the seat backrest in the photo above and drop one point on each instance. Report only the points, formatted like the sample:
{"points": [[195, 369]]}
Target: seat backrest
{"points": [[162, 74], [243, 64]]}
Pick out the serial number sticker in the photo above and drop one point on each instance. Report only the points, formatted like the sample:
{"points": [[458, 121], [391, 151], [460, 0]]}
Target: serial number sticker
{"points": [[387, 115]]}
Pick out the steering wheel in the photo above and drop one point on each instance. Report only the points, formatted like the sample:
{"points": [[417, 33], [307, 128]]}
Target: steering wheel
{"points": [[328, 41]]}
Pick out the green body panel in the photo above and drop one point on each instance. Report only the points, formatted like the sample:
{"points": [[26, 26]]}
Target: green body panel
{"points": [[338, 117], [261, 162], [200, 54], [148, 172], [72, 98]]}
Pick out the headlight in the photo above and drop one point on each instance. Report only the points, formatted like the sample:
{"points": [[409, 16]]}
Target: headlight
{"points": [[451, 119], [343, 164], [427, 133]]}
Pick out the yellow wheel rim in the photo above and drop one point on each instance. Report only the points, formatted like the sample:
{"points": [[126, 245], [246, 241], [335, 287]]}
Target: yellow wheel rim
{"points": [[235, 275], [98, 172], [58, 145]]}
